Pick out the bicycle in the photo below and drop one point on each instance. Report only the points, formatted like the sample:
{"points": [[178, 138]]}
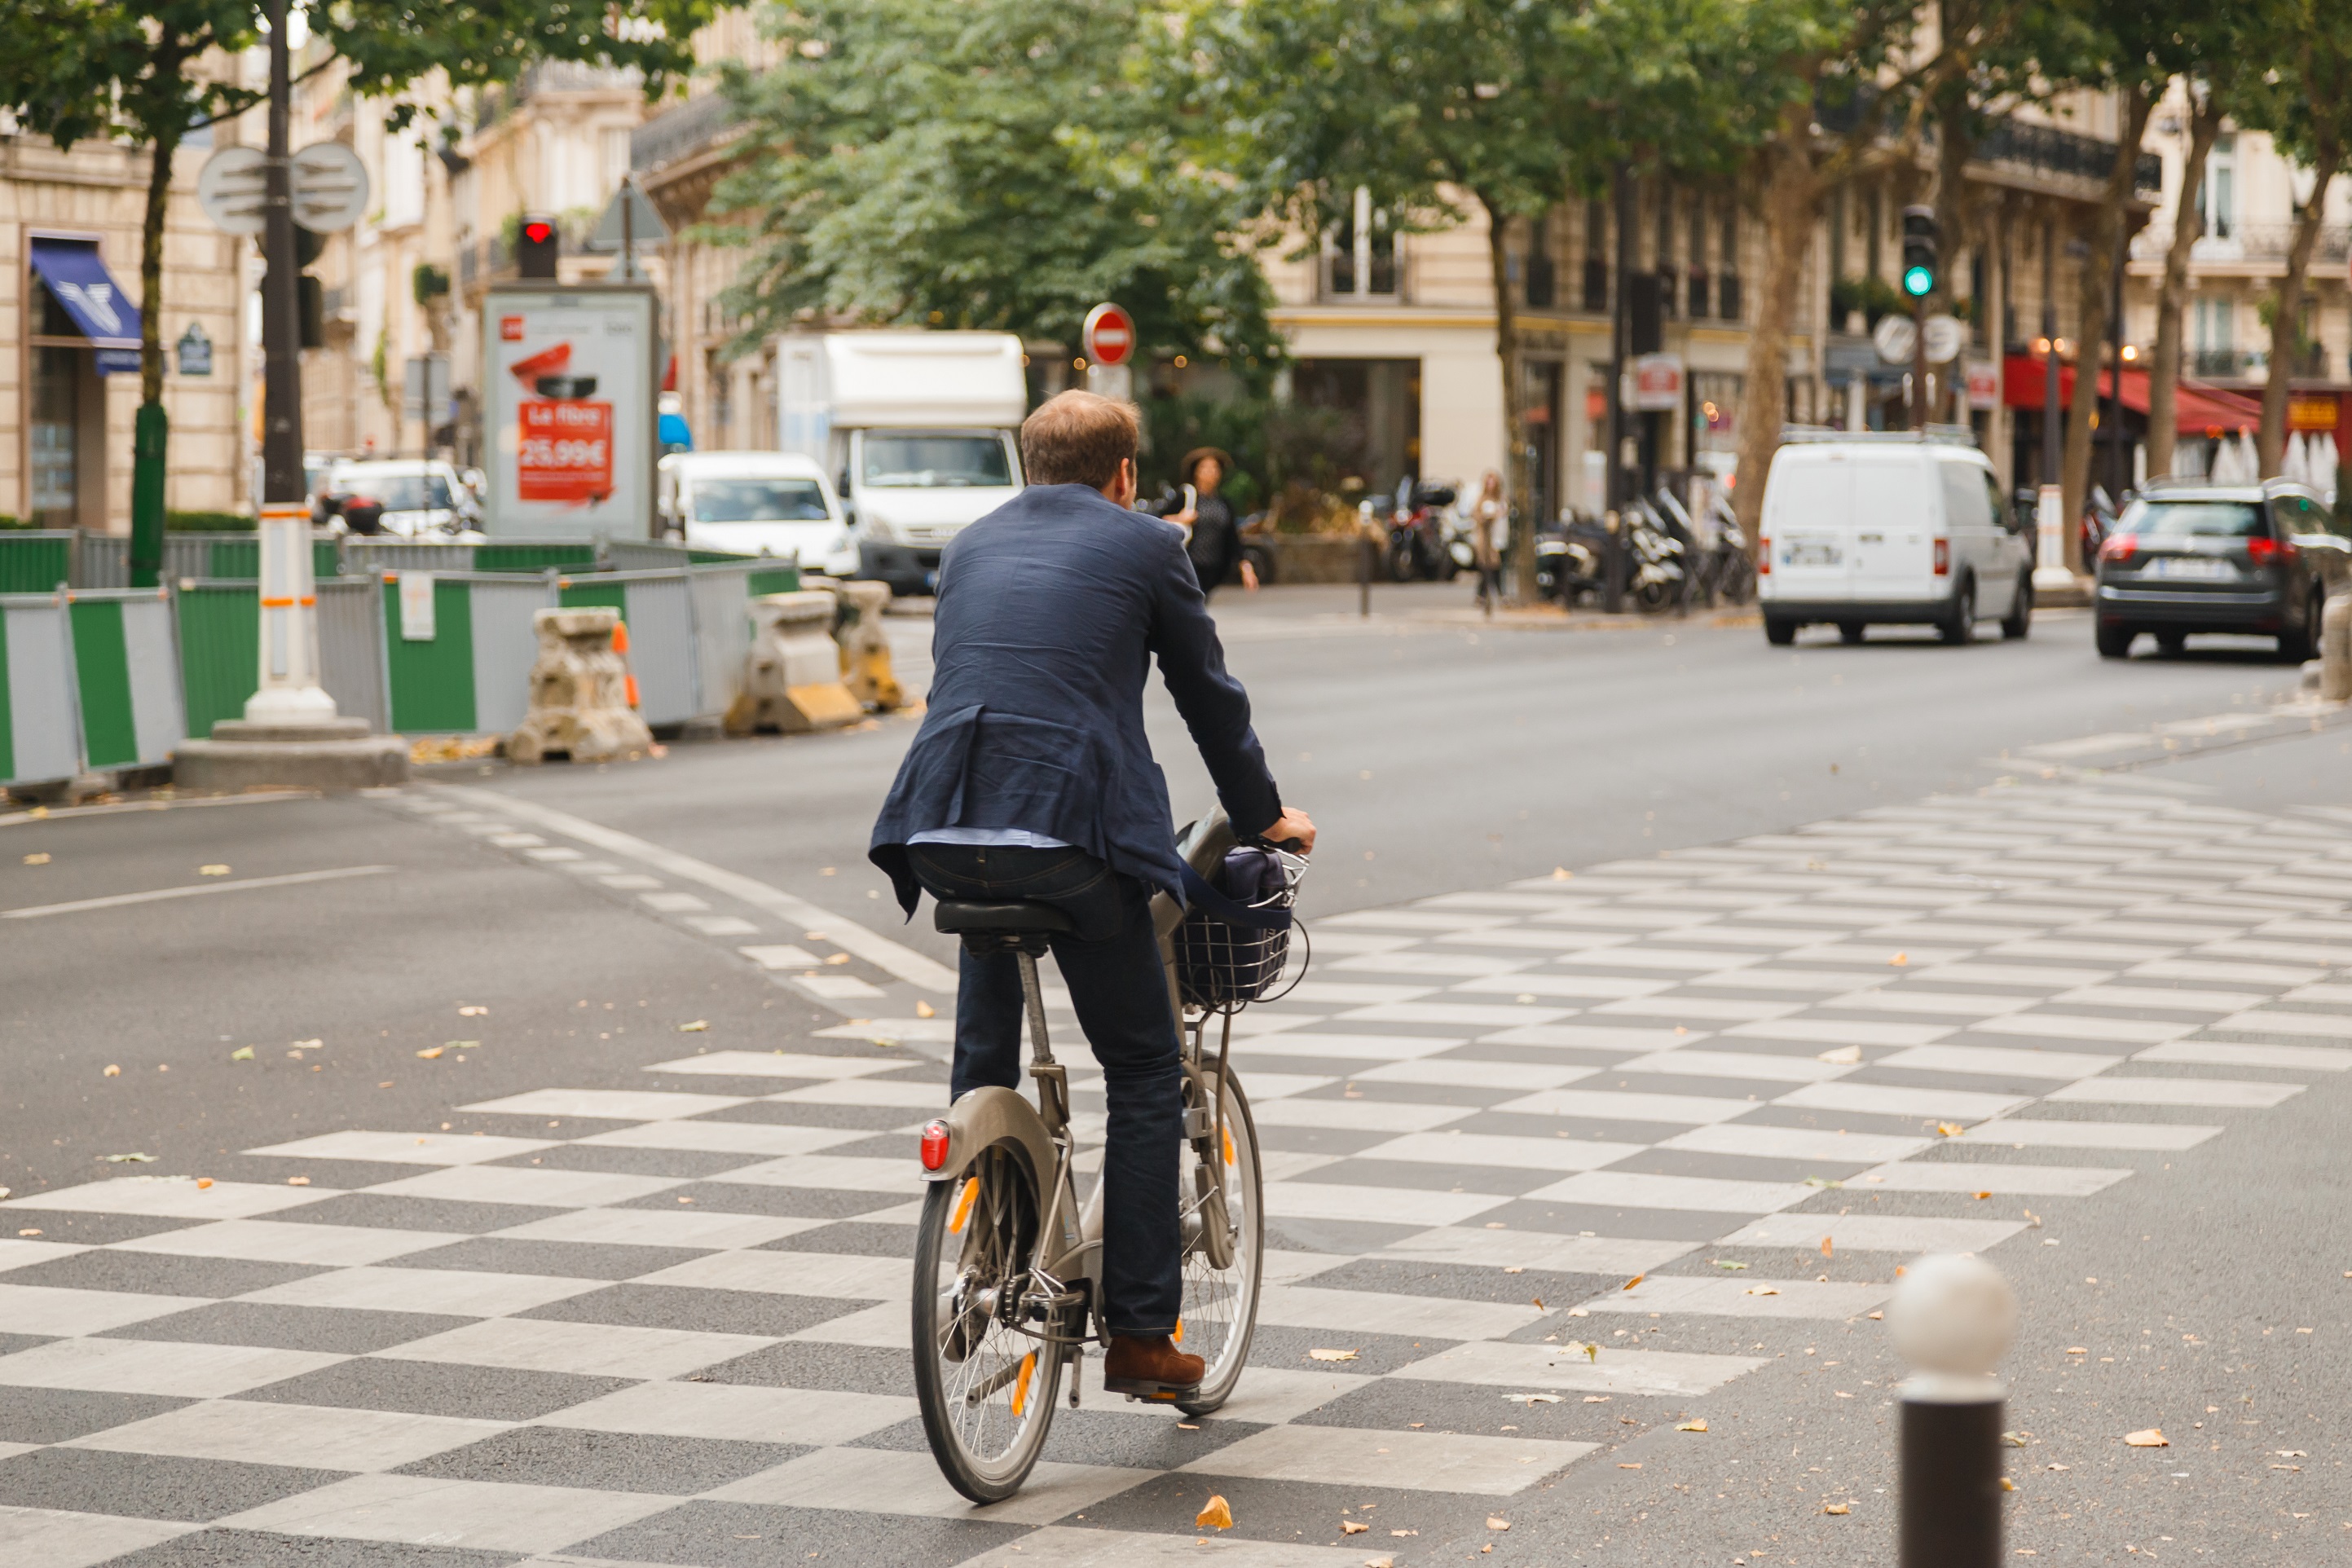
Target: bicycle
{"points": [[1008, 1264]]}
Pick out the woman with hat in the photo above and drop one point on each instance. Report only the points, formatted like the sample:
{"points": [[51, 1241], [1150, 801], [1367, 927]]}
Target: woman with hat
{"points": [[1212, 536]]}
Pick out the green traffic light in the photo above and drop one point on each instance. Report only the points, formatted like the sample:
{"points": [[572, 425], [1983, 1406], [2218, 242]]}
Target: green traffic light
{"points": [[1917, 281]]}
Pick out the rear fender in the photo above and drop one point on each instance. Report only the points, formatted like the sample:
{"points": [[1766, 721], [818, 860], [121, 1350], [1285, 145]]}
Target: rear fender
{"points": [[989, 1115]]}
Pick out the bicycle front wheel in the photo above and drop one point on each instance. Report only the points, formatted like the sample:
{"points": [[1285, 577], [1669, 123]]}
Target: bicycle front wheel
{"points": [[1221, 1304], [986, 1389]]}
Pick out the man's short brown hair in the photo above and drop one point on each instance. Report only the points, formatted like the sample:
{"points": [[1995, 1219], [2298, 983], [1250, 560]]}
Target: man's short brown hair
{"points": [[1077, 439]]}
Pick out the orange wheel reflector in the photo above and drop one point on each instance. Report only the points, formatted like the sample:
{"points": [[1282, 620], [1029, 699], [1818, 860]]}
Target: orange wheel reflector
{"points": [[1229, 1145], [963, 1205], [1020, 1384], [1178, 1337]]}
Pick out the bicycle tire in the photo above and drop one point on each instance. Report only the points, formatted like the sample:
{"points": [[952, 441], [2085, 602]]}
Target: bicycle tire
{"points": [[986, 1417], [1220, 1306]]}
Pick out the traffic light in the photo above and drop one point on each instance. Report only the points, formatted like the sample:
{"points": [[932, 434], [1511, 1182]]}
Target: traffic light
{"points": [[1918, 251], [538, 246], [309, 294]]}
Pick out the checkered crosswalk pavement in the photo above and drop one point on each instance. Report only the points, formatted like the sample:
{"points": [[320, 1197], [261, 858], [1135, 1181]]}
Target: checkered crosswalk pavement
{"points": [[666, 1324]]}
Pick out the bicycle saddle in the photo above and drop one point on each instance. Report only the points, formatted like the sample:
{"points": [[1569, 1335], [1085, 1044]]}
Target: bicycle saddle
{"points": [[999, 925]]}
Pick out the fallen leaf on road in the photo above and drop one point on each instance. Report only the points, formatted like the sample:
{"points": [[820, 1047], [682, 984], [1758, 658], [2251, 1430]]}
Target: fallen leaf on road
{"points": [[1561, 873], [925, 1010], [2006, 1484], [699, 1026], [2153, 1437], [1722, 1263], [838, 958], [1350, 1527], [1404, 1532], [432, 1052], [473, 1012], [28, 1233], [1593, 1351], [2033, 1219], [130, 1159], [2291, 1453], [1879, 1316], [1538, 1302], [1821, 1182], [1763, 1290], [1596, 1399], [1696, 1424], [1629, 1467], [212, 870], [1633, 1281], [2078, 1350], [297, 1181], [2059, 1467], [1844, 1056], [1899, 960], [1379, 1562], [242, 1053], [1514, 1269], [1837, 1508], [111, 1071], [36, 859], [1216, 1515], [1982, 1196], [1494, 1524], [1826, 1249], [1331, 1355], [203, 1182], [1533, 1398], [1949, 1129]]}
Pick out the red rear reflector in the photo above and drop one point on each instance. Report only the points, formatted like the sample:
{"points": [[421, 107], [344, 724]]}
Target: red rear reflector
{"points": [[2122, 547], [1943, 558], [935, 1145], [1763, 558]]}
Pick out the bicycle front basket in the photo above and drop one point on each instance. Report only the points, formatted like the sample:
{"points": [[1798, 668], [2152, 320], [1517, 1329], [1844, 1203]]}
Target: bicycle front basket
{"points": [[1235, 941]]}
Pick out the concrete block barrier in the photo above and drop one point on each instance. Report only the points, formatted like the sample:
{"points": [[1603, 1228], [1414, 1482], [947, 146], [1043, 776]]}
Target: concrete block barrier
{"points": [[792, 680], [580, 705], [865, 644]]}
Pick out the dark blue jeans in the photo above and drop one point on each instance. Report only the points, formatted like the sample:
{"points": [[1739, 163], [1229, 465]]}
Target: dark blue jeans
{"points": [[1111, 964]]}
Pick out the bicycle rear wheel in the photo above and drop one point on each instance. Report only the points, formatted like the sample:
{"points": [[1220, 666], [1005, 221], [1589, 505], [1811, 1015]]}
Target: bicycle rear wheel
{"points": [[986, 1390], [1221, 1304]]}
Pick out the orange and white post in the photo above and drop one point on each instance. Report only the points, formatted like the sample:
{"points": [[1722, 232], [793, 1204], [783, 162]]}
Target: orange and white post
{"points": [[290, 692]]}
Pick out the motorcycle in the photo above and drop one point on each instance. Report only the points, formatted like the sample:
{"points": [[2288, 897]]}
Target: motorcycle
{"points": [[1659, 579], [1417, 547], [1719, 570], [1569, 562]]}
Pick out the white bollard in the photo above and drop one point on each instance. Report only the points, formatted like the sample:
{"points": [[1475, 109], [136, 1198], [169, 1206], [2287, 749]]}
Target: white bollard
{"points": [[2050, 527], [2336, 645], [290, 693], [1952, 1318]]}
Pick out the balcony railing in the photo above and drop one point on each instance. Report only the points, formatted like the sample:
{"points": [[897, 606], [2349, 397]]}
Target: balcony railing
{"points": [[2225, 364], [2043, 148], [552, 76], [682, 130]]}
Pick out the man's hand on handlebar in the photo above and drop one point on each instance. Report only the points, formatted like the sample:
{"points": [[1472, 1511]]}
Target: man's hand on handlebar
{"points": [[1292, 830]]}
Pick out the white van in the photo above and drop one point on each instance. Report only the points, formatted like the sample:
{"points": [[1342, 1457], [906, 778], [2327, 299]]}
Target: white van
{"points": [[1889, 530], [757, 503]]}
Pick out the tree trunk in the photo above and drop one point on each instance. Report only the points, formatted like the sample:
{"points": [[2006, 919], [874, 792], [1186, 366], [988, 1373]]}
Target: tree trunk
{"points": [[2287, 312], [150, 270], [1955, 227], [2188, 224], [1792, 204], [1517, 482], [2109, 233]]}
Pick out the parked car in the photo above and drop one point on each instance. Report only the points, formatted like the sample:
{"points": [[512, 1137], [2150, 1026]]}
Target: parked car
{"points": [[1863, 530], [2189, 556], [414, 498], [757, 503]]}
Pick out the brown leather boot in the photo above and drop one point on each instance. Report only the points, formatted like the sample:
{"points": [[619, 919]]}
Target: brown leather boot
{"points": [[1152, 1369]]}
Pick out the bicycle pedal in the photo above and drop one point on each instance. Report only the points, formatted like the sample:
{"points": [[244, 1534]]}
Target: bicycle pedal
{"points": [[1138, 1391]]}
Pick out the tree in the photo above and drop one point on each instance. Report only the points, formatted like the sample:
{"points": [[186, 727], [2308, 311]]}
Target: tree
{"points": [[2307, 46], [146, 72], [1435, 106], [1002, 164]]}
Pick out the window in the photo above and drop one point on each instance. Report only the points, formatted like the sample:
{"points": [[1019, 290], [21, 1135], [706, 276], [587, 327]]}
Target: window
{"points": [[2217, 197], [1999, 503], [1596, 256], [1362, 254], [2196, 519], [936, 459], [1965, 497], [759, 501]]}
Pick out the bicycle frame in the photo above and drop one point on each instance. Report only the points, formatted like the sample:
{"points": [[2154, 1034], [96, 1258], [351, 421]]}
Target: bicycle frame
{"points": [[1065, 1275]]}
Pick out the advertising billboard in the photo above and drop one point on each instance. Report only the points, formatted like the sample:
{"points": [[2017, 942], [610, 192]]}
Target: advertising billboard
{"points": [[569, 406]]}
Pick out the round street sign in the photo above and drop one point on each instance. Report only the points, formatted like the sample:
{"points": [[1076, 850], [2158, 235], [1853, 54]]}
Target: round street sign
{"points": [[1945, 336], [230, 189], [1108, 336], [1894, 338], [331, 187]]}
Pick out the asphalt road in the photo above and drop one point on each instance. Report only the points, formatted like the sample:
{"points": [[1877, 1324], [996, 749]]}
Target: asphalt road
{"points": [[1436, 755]]}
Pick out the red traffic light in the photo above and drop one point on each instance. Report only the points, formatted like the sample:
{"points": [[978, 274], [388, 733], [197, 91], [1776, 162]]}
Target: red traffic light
{"points": [[537, 231]]}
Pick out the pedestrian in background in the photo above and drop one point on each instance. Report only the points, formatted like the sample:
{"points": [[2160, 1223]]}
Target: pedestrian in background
{"points": [[1212, 536], [1490, 518]]}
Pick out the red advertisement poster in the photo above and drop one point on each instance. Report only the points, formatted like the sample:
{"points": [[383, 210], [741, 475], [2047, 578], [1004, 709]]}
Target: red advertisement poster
{"points": [[567, 451]]}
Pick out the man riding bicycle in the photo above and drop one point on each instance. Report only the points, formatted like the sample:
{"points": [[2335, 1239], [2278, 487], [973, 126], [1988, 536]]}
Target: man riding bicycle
{"points": [[1032, 779]]}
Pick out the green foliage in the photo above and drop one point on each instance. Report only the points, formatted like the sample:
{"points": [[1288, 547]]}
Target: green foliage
{"points": [[427, 282], [996, 165], [10, 520], [208, 522], [1873, 297]]}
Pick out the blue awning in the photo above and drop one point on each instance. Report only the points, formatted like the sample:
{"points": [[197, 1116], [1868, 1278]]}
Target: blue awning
{"points": [[98, 305]]}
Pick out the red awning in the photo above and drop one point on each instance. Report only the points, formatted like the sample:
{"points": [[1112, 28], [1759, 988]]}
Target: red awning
{"points": [[2198, 409]]}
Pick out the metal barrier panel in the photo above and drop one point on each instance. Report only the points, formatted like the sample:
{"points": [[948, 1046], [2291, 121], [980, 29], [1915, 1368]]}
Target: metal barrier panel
{"points": [[375, 556], [236, 557], [526, 555], [350, 649], [101, 561], [126, 676], [39, 740], [660, 613], [722, 635], [431, 680], [505, 645], [774, 580], [34, 561], [220, 651]]}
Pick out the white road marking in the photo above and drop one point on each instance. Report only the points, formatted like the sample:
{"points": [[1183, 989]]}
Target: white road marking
{"points": [[117, 900]]}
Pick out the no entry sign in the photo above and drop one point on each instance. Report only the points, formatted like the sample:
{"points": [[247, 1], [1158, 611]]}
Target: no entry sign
{"points": [[1108, 337]]}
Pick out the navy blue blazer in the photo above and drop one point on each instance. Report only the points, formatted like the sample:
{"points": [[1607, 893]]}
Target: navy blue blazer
{"points": [[1050, 611]]}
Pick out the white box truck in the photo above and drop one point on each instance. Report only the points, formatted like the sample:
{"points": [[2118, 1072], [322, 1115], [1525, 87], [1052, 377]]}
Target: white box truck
{"points": [[921, 429]]}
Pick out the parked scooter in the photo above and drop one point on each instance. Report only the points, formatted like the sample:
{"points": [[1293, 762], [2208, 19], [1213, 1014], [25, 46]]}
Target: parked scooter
{"points": [[1659, 579], [1569, 562], [1417, 547]]}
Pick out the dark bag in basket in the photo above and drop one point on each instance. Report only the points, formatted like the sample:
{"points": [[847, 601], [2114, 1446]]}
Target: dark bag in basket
{"points": [[1234, 939]]}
